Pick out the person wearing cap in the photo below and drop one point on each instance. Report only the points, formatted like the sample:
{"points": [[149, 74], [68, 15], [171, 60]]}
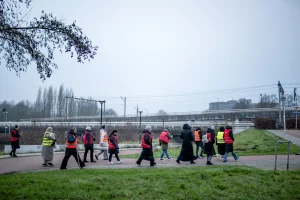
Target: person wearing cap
{"points": [[187, 152], [88, 140], [48, 146], [208, 147], [229, 139], [147, 152], [14, 141], [71, 150], [103, 143], [113, 147], [198, 142], [164, 139]]}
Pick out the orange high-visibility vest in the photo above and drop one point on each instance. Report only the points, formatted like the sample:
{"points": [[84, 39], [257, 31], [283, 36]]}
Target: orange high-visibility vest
{"points": [[105, 139], [197, 136], [71, 145]]}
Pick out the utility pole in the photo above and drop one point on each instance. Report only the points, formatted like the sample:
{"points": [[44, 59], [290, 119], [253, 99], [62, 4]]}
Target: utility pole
{"points": [[67, 108], [101, 102], [296, 107], [101, 114], [140, 125], [137, 113], [279, 99], [261, 100], [283, 104], [104, 113], [124, 99]]}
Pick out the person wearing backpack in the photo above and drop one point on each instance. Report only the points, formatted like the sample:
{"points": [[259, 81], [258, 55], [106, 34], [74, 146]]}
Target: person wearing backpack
{"points": [[113, 147], [71, 149], [220, 143], [229, 139], [88, 140], [209, 140], [198, 142], [164, 139]]}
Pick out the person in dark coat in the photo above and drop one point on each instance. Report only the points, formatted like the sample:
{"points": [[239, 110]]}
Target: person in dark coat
{"points": [[229, 139], [147, 153], [14, 141], [186, 153], [213, 147], [209, 146], [113, 147], [88, 144]]}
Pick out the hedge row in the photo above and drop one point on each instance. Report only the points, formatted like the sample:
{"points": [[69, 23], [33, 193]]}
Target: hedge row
{"points": [[34, 135], [264, 123]]}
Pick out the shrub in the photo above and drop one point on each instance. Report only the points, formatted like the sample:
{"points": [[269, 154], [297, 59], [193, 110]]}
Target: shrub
{"points": [[264, 123]]}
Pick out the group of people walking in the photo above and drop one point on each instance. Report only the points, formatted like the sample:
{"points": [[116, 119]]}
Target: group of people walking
{"points": [[88, 138], [205, 141], [109, 144]]}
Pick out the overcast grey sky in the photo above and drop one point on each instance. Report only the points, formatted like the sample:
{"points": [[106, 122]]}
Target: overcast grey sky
{"points": [[150, 51]]}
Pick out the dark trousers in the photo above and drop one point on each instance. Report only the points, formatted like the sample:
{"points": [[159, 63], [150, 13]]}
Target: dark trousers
{"points": [[14, 146], [199, 145], [116, 155], [69, 153], [141, 158], [146, 154], [13, 151], [91, 149]]}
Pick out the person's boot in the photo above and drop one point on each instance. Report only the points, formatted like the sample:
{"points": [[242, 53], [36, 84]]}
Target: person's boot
{"points": [[10, 154], [208, 163]]}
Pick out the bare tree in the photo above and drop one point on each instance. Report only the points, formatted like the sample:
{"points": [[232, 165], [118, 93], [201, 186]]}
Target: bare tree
{"points": [[38, 104], [25, 42], [44, 111], [161, 112], [54, 108], [61, 101]]}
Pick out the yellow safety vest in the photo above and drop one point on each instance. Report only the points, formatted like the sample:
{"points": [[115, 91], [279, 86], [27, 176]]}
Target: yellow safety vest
{"points": [[220, 138], [47, 142]]}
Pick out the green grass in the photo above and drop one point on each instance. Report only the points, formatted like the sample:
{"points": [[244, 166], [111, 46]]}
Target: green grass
{"points": [[249, 142], [153, 183], [260, 142], [2, 153]]}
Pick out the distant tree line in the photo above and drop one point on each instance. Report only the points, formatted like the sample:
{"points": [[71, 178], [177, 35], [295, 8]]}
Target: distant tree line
{"points": [[268, 101], [51, 102]]}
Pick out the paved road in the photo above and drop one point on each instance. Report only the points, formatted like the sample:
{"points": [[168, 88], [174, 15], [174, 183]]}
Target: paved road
{"points": [[26, 163], [290, 135]]}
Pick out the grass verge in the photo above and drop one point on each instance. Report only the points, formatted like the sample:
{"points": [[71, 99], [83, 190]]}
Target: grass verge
{"points": [[214, 182], [247, 143]]}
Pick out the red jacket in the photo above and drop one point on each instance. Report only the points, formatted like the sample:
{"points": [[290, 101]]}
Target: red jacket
{"points": [[88, 139], [146, 140], [164, 137], [14, 135], [227, 138], [113, 142]]}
